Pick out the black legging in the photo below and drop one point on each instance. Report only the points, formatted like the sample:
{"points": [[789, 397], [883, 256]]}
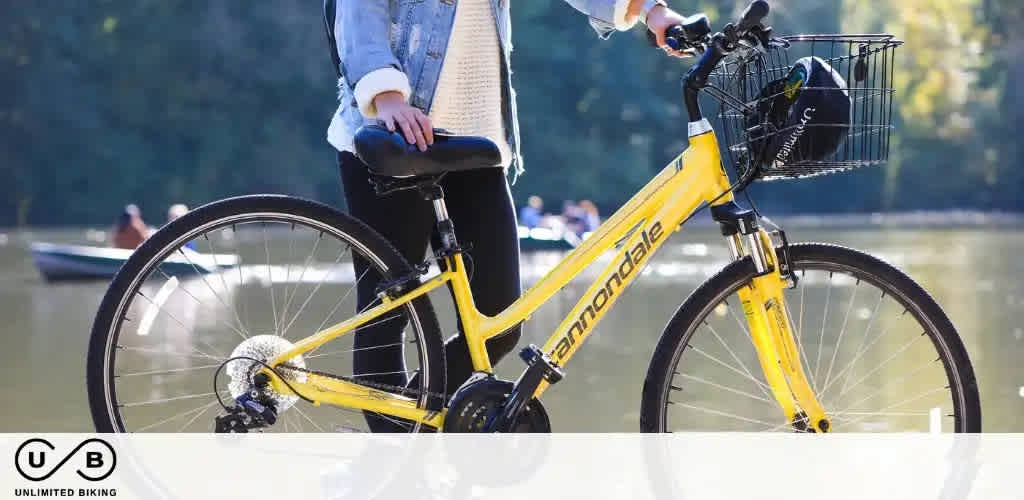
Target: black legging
{"points": [[480, 206]]}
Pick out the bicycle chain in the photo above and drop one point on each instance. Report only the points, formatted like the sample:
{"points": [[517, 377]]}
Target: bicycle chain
{"points": [[375, 385]]}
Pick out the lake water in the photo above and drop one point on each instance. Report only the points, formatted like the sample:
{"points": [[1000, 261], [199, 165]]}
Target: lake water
{"points": [[976, 272]]}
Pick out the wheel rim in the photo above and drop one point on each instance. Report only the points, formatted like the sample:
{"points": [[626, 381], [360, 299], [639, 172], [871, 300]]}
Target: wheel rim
{"points": [[215, 302], [860, 339]]}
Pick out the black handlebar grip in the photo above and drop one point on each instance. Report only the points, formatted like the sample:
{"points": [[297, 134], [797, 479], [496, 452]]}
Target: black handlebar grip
{"points": [[675, 37], [751, 17]]}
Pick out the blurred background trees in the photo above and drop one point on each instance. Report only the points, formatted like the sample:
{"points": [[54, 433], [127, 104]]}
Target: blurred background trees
{"points": [[106, 102]]}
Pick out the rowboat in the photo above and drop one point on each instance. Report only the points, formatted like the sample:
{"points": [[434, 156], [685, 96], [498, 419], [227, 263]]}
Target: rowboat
{"points": [[59, 262], [542, 238]]}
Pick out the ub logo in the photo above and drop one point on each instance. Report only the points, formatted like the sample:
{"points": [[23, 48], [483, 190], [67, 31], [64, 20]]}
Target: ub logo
{"points": [[37, 459]]}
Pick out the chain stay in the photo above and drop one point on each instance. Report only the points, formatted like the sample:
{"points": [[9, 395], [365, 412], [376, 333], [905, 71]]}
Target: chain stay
{"points": [[374, 385]]}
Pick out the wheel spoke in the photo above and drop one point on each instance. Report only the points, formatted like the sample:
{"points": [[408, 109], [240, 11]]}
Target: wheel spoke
{"points": [[723, 387], [288, 273], [889, 383], [208, 285], [270, 275], [899, 404], [223, 281], [863, 340], [724, 414], [881, 413], [167, 400], [824, 320], [338, 304], [196, 354], [163, 372], [334, 266], [728, 366], [197, 415], [183, 288], [736, 358], [853, 361], [300, 412], [842, 330], [176, 320], [302, 275], [881, 365], [199, 409]]}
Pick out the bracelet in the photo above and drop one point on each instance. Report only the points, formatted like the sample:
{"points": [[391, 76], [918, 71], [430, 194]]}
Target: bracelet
{"points": [[648, 5]]}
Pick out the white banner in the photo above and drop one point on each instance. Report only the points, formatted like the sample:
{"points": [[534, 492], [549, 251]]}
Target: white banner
{"points": [[558, 466]]}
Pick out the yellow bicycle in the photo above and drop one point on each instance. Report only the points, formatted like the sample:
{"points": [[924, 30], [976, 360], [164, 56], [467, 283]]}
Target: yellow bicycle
{"points": [[190, 340]]}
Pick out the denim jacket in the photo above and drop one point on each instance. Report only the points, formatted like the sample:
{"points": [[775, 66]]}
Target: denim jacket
{"points": [[400, 45]]}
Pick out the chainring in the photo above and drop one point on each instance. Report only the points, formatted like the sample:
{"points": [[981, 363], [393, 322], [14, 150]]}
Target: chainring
{"points": [[477, 403]]}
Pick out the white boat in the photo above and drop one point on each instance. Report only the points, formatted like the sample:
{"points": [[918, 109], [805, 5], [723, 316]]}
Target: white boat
{"points": [[79, 262]]}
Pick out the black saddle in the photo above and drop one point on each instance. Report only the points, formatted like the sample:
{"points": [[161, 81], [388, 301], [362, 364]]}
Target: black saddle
{"points": [[388, 154]]}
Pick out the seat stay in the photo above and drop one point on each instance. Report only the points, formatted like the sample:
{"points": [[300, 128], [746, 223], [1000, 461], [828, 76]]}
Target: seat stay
{"points": [[334, 331]]}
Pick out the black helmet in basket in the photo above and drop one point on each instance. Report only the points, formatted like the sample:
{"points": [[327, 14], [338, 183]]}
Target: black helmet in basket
{"points": [[802, 117]]}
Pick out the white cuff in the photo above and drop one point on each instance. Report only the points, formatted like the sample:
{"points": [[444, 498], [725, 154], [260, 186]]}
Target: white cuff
{"points": [[648, 5], [377, 81], [621, 12]]}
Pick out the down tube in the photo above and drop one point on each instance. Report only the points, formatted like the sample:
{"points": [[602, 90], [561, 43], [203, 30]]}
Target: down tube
{"points": [[625, 267]]}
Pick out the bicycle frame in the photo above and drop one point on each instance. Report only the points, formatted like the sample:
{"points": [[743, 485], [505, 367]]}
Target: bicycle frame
{"points": [[636, 231]]}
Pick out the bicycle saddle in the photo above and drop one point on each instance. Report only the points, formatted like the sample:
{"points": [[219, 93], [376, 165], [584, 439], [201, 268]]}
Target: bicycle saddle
{"points": [[388, 154]]}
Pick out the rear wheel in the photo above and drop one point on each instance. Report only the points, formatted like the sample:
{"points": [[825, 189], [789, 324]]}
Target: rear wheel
{"points": [[880, 354], [250, 276]]}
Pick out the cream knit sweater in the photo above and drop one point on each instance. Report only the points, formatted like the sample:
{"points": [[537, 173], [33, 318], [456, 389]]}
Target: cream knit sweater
{"points": [[468, 96], [467, 100]]}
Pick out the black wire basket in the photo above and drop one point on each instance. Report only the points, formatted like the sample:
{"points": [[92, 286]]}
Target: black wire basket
{"points": [[806, 105]]}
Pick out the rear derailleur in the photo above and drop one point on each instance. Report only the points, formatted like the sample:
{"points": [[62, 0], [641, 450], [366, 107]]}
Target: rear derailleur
{"points": [[253, 409]]}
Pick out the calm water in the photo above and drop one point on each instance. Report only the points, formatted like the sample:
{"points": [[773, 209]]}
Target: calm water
{"points": [[974, 273]]}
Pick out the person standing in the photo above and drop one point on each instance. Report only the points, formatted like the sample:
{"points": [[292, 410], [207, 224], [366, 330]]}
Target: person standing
{"points": [[414, 66]]}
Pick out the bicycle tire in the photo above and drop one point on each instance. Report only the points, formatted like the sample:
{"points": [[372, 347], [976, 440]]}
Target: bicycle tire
{"points": [[99, 363], [686, 320]]}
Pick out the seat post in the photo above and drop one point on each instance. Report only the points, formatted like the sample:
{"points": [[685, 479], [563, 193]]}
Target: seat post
{"points": [[445, 227]]}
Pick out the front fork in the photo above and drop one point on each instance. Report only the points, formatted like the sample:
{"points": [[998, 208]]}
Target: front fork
{"points": [[764, 306]]}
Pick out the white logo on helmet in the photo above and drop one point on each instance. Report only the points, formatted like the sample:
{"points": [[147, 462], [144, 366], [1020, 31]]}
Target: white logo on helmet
{"points": [[787, 147]]}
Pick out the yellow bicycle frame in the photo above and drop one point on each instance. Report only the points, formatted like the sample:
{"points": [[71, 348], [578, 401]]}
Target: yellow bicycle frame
{"points": [[635, 231]]}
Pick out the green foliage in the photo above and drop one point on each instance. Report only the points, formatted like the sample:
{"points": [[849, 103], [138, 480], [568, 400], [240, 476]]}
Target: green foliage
{"points": [[106, 102]]}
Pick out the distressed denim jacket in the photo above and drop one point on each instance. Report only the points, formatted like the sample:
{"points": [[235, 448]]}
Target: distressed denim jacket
{"points": [[400, 45]]}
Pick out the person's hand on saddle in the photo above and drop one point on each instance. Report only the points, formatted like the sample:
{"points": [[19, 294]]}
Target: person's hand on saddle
{"points": [[393, 111]]}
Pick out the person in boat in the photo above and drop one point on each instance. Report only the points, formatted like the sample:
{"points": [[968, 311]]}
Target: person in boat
{"points": [[175, 211], [573, 214], [414, 66], [532, 214], [591, 217], [130, 230]]}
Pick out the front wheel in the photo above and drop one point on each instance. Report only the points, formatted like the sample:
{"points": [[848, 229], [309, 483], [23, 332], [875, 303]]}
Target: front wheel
{"points": [[880, 354]]}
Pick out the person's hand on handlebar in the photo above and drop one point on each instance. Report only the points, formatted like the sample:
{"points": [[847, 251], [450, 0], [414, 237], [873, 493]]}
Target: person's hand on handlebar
{"points": [[659, 19]]}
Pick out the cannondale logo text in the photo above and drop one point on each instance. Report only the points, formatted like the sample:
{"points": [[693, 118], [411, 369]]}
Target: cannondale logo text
{"points": [[62, 468]]}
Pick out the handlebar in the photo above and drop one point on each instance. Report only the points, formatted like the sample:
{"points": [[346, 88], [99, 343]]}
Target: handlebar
{"points": [[693, 34], [755, 13]]}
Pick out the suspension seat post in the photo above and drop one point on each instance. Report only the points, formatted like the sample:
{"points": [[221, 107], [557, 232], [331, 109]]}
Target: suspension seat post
{"points": [[435, 194]]}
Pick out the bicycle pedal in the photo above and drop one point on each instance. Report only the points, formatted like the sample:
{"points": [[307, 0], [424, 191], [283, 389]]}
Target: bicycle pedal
{"points": [[535, 357]]}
